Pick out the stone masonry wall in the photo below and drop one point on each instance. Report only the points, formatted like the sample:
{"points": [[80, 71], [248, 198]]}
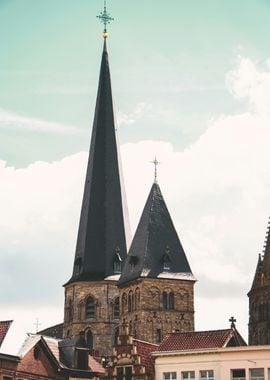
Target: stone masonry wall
{"points": [[103, 325], [142, 307]]}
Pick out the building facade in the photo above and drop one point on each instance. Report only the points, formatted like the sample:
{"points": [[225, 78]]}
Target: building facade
{"points": [[229, 363]]}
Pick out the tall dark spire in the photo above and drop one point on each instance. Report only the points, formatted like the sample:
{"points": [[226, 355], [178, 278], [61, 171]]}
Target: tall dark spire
{"points": [[101, 242], [156, 250]]}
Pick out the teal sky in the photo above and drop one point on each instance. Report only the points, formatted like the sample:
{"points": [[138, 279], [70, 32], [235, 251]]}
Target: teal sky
{"points": [[172, 56]]}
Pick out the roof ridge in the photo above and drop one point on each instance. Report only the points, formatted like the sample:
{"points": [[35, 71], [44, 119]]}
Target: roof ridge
{"points": [[199, 332]]}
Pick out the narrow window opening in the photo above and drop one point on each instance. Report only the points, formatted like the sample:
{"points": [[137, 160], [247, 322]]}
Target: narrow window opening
{"points": [[116, 308], [171, 301], [165, 300], [158, 335], [89, 339], [90, 308], [117, 263]]}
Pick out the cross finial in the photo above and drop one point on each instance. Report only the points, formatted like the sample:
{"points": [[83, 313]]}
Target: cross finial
{"points": [[156, 163], [105, 18], [232, 320], [37, 324]]}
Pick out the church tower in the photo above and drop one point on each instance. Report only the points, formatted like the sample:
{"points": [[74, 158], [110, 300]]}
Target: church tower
{"points": [[259, 298], [156, 284], [91, 295]]}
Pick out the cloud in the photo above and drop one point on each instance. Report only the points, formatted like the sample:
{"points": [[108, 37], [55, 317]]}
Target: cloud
{"points": [[217, 191], [12, 120], [251, 81], [127, 119]]}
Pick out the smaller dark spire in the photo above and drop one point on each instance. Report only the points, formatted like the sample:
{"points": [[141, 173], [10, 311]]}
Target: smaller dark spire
{"points": [[156, 250]]}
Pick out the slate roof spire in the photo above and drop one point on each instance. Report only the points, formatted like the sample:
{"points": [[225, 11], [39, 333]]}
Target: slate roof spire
{"points": [[263, 265], [156, 250], [101, 241]]}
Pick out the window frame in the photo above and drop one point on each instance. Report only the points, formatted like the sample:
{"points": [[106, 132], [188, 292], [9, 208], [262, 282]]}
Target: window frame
{"points": [[238, 377], [209, 374], [256, 377], [191, 375], [169, 375]]}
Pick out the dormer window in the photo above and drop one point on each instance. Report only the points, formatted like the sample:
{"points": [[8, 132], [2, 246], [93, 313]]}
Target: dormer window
{"points": [[78, 264], [166, 261], [117, 262], [133, 261]]}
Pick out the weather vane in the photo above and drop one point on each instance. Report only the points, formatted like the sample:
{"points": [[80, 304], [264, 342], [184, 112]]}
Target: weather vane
{"points": [[105, 18], [156, 163]]}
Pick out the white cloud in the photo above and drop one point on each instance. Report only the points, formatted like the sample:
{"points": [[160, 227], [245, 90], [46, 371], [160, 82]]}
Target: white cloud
{"points": [[217, 191], [12, 120], [126, 119], [251, 81]]}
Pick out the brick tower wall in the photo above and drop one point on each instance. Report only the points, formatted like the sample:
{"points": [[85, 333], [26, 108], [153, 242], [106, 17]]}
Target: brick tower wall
{"points": [[105, 319], [142, 307]]}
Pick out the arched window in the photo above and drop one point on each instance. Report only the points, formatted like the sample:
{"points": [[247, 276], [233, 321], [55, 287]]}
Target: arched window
{"points": [[130, 301], [116, 308], [80, 311], [158, 335], [89, 308], [89, 338], [116, 334], [69, 311], [137, 298], [171, 301], [124, 303], [133, 302], [165, 300]]}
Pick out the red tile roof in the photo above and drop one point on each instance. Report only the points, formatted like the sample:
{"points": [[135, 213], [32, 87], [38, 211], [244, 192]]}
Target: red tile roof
{"points": [[53, 346], [201, 340], [4, 327], [144, 350], [94, 365]]}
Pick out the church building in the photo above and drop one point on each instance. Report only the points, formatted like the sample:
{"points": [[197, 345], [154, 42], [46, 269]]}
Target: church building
{"points": [[259, 298], [151, 288]]}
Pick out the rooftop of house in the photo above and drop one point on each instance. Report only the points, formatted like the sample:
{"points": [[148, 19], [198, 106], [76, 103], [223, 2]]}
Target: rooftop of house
{"points": [[55, 331], [196, 340], [59, 351]]}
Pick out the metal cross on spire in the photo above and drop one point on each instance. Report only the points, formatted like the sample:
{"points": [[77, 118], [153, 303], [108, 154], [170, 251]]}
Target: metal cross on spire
{"points": [[232, 320], [156, 163], [105, 18]]}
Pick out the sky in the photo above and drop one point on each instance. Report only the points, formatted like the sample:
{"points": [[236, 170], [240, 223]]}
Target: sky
{"points": [[191, 85]]}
